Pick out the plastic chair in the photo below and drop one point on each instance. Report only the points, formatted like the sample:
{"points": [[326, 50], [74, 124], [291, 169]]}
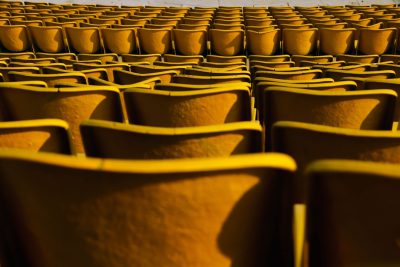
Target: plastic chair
{"points": [[366, 110], [190, 42], [145, 142], [263, 43], [227, 43], [154, 41], [187, 108], [299, 42], [359, 214], [119, 41], [239, 208], [336, 41], [73, 105]]}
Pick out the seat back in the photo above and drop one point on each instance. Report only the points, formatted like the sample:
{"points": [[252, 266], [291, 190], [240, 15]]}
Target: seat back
{"points": [[190, 42], [119, 41], [263, 43], [227, 42], [126, 212], [144, 142], [299, 41], [74, 105], [308, 142], [51, 79], [336, 41], [366, 221], [154, 41], [367, 110], [46, 135], [14, 38], [48, 39], [376, 41], [84, 40], [187, 108]]}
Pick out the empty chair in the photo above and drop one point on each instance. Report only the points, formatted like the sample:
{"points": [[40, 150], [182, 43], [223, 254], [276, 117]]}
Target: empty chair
{"points": [[109, 68], [50, 79], [127, 77], [364, 59], [14, 39], [290, 75], [84, 40], [336, 41], [263, 43], [366, 221], [190, 42], [233, 207], [119, 41], [145, 142], [187, 87], [49, 40], [299, 42], [46, 135], [376, 41], [308, 142], [217, 79], [187, 108], [5, 70], [337, 75], [227, 42], [154, 41], [73, 105], [366, 110]]}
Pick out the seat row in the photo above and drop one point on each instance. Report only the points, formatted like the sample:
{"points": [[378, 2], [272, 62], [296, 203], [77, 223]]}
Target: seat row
{"points": [[52, 39], [254, 190]]}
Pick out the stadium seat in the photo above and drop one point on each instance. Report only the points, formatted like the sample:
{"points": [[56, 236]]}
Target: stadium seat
{"points": [[187, 108], [367, 222], [145, 142], [233, 207], [73, 105]]}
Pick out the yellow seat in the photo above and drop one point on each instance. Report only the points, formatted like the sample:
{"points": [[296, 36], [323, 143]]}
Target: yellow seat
{"points": [[14, 39], [119, 41], [194, 27], [230, 206], [337, 75], [108, 67], [366, 110], [190, 42], [308, 142], [73, 105], [199, 79], [188, 108], [291, 75], [181, 59], [364, 59], [188, 87], [299, 41], [226, 42], [366, 221], [376, 41], [84, 40], [5, 70], [46, 135], [126, 77], [143, 69], [50, 79], [49, 40], [145, 142], [154, 41], [263, 43], [336, 41]]}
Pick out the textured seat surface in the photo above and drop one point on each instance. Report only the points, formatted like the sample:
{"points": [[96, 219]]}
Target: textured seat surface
{"points": [[139, 213]]}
